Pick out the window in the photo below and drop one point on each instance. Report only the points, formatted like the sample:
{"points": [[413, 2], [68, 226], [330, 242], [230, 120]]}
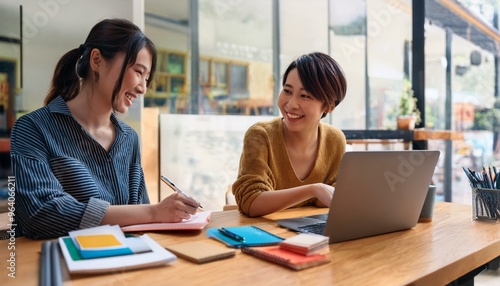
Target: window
{"points": [[223, 81], [238, 81], [170, 80]]}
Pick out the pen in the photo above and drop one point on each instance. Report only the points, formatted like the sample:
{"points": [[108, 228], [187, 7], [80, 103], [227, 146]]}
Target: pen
{"points": [[173, 186], [231, 234]]}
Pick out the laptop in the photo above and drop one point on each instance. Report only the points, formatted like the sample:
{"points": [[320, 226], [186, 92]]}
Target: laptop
{"points": [[376, 192]]}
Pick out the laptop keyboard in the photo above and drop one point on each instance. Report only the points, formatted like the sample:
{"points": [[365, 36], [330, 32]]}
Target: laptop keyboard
{"points": [[316, 228], [319, 216]]}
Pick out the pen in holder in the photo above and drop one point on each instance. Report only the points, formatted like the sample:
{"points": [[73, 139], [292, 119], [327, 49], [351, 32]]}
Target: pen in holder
{"points": [[486, 204]]}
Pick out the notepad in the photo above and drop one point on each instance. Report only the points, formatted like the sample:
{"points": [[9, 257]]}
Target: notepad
{"points": [[201, 251], [252, 235], [104, 241], [76, 264], [99, 240], [195, 222], [306, 244], [286, 258]]}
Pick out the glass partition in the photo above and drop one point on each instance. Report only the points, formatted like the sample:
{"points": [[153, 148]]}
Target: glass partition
{"points": [[472, 91], [166, 24], [201, 154], [302, 32], [372, 41], [435, 80], [347, 30], [389, 29], [235, 59], [10, 84], [10, 63], [236, 41], [369, 39]]}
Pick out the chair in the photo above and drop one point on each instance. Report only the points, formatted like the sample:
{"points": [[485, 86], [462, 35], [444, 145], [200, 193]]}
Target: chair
{"points": [[4, 234], [4, 219]]}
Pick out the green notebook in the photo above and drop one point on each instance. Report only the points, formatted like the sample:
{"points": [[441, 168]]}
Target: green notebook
{"points": [[251, 235]]}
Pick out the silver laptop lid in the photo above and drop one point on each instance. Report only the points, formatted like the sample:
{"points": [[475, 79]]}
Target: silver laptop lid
{"points": [[379, 192]]}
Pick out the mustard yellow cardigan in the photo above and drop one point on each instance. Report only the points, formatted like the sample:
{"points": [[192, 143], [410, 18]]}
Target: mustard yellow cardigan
{"points": [[265, 165]]}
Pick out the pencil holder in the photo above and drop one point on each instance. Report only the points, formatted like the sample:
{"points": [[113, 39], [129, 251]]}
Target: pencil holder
{"points": [[486, 204]]}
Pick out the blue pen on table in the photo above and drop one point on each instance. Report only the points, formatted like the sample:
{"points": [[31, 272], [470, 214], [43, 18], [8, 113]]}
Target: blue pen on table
{"points": [[231, 234], [174, 187]]}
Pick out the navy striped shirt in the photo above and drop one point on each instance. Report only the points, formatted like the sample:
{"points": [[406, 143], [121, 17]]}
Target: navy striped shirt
{"points": [[65, 180]]}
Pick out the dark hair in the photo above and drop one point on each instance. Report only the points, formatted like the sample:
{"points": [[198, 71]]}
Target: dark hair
{"points": [[110, 37], [321, 76]]}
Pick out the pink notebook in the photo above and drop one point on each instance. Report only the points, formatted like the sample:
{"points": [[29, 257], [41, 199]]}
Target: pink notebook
{"points": [[196, 221]]}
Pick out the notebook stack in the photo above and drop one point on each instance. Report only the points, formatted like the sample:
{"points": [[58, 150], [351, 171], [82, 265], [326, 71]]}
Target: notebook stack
{"points": [[306, 244], [105, 248], [298, 252]]}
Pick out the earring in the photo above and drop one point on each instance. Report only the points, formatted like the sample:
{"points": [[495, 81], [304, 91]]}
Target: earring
{"points": [[96, 76]]}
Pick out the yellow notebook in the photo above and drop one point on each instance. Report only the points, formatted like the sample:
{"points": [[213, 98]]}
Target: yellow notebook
{"points": [[98, 240], [201, 251]]}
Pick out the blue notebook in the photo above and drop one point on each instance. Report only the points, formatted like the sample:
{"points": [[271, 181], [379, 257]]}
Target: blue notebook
{"points": [[252, 235]]}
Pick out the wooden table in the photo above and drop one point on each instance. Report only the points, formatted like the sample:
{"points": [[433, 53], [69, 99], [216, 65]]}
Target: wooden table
{"points": [[434, 253], [429, 134]]}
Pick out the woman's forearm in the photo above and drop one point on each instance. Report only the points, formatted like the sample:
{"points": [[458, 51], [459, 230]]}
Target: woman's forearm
{"points": [[273, 201], [173, 208], [128, 214]]}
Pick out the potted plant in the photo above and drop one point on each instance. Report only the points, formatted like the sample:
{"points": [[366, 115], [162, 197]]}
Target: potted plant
{"points": [[408, 113]]}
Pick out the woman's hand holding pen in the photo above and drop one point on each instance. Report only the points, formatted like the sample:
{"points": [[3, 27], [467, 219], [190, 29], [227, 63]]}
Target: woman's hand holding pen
{"points": [[176, 189], [174, 208]]}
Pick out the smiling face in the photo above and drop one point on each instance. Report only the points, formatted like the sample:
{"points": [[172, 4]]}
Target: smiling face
{"points": [[134, 81], [300, 110]]}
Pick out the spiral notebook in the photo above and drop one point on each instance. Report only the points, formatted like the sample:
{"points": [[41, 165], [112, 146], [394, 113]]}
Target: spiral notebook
{"points": [[286, 258], [195, 222], [252, 236], [201, 251]]}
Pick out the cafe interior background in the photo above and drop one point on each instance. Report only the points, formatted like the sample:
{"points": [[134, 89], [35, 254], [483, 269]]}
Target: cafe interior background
{"points": [[220, 65]]}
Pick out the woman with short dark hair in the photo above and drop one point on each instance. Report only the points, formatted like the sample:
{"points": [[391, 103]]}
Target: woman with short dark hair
{"points": [[293, 160]]}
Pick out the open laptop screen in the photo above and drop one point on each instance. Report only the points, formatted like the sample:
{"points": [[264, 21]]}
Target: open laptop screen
{"points": [[376, 192]]}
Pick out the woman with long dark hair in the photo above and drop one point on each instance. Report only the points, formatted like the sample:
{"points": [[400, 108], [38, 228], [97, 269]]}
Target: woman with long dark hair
{"points": [[76, 164]]}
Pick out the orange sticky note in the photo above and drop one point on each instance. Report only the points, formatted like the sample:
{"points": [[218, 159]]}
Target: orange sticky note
{"points": [[98, 240]]}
